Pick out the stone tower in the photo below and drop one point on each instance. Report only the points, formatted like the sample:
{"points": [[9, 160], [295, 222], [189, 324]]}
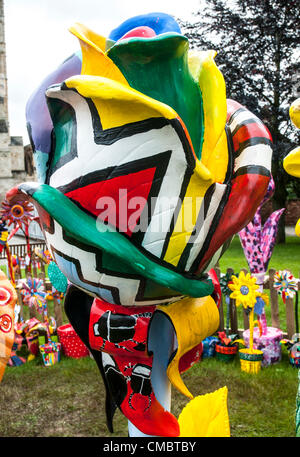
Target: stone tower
{"points": [[12, 162]]}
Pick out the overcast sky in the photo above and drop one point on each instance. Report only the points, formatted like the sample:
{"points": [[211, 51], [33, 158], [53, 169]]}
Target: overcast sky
{"points": [[38, 40]]}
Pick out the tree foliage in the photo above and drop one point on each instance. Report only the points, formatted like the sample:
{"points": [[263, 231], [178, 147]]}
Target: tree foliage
{"points": [[258, 53]]}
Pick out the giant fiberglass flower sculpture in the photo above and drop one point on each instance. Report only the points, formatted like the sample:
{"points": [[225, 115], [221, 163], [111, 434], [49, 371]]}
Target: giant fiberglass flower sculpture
{"points": [[143, 116], [146, 172]]}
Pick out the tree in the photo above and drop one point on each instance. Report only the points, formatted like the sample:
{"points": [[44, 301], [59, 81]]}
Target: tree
{"points": [[257, 44]]}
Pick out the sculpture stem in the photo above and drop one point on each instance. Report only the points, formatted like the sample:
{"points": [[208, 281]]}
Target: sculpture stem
{"points": [[262, 318], [251, 328], [161, 343]]}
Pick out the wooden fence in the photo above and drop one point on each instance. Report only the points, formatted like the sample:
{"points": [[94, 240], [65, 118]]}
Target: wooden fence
{"points": [[20, 250], [274, 309]]}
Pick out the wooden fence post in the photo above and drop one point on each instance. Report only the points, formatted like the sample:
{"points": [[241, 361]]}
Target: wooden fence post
{"points": [[18, 269], [57, 312], [290, 315], [290, 321], [274, 300], [32, 312], [221, 310], [245, 316], [232, 309], [20, 302], [43, 268], [33, 263]]}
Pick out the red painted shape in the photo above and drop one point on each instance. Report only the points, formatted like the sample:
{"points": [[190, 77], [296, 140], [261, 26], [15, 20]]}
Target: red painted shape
{"points": [[259, 130], [12, 193], [246, 194], [190, 358], [122, 198], [139, 404], [248, 131], [128, 346], [232, 106], [217, 293], [139, 32]]}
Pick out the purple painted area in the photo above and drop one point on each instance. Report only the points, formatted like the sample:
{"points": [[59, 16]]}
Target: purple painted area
{"points": [[258, 241], [37, 113], [269, 344]]}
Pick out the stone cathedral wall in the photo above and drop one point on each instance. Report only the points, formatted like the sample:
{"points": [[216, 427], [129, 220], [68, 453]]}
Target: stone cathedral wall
{"points": [[13, 166]]}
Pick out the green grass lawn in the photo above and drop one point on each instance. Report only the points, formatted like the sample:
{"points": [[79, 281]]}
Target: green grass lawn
{"points": [[68, 399], [285, 256], [22, 270]]}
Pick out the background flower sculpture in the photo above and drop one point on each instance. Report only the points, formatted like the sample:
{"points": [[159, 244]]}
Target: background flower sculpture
{"points": [[287, 287], [245, 292], [18, 216], [285, 284], [258, 241], [34, 296]]}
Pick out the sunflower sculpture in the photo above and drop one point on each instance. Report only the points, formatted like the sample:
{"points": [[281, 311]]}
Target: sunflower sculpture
{"points": [[244, 290]]}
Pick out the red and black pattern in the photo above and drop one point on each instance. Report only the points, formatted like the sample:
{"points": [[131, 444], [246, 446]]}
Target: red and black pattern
{"points": [[251, 152], [130, 384], [115, 329], [121, 335]]}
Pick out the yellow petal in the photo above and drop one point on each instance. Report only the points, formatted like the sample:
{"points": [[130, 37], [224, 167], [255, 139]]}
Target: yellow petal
{"points": [[94, 60], [193, 320], [212, 85], [206, 416], [297, 226], [291, 163], [235, 294], [294, 113], [242, 276], [235, 280], [238, 302], [114, 101]]}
